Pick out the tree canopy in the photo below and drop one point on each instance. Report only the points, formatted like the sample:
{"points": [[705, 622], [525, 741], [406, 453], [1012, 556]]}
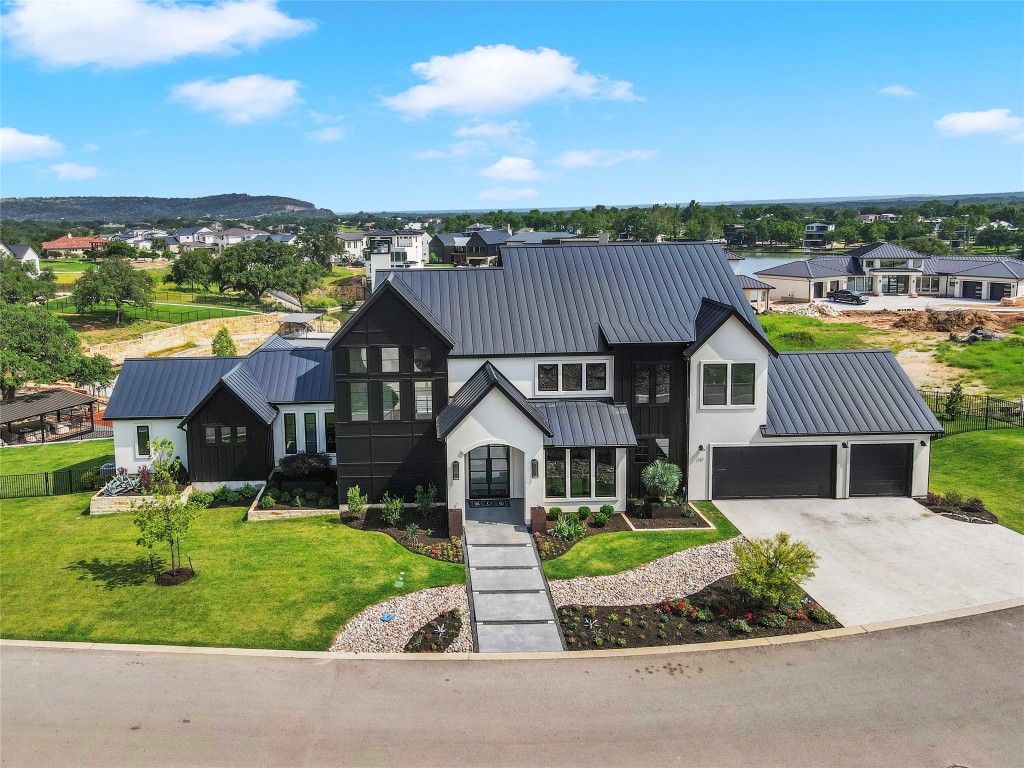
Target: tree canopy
{"points": [[320, 244], [255, 267], [19, 283], [192, 267], [115, 281]]}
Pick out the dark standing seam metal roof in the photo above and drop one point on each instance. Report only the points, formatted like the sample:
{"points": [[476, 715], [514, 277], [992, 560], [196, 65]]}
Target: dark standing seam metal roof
{"points": [[475, 390], [32, 404], [711, 317], [843, 393], [976, 266], [170, 387], [884, 251], [571, 299], [826, 266], [748, 283], [240, 381], [586, 423]]}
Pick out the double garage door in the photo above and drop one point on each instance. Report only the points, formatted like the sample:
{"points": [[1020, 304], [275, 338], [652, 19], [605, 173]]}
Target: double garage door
{"points": [[808, 471]]}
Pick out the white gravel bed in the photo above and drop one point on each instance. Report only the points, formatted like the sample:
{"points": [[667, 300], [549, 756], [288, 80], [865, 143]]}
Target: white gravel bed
{"points": [[366, 633], [677, 575]]}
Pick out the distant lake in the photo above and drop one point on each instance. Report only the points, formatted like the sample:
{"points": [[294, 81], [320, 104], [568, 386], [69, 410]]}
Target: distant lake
{"points": [[755, 262]]}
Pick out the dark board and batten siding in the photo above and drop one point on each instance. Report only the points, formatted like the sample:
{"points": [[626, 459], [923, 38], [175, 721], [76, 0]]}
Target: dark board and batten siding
{"points": [[390, 456], [219, 463]]}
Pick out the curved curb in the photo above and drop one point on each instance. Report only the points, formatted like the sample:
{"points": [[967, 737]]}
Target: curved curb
{"points": [[659, 650]]}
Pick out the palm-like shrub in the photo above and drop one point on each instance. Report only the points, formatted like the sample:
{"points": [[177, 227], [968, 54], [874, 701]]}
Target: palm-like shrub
{"points": [[770, 571], [661, 478]]}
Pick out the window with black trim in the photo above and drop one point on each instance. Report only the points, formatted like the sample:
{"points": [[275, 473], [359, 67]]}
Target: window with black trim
{"points": [[554, 473], [309, 425], [389, 360], [742, 381], [597, 376], [241, 435], [142, 440], [728, 384], [330, 433], [580, 473], [661, 446], [604, 472], [291, 444], [547, 377], [358, 401], [210, 435], [422, 359], [424, 391], [662, 381], [391, 400], [357, 360], [641, 384], [572, 377]]}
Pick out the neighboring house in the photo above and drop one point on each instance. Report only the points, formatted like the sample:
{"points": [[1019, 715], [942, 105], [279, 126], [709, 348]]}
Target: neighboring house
{"points": [[448, 248], [225, 238], [287, 238], [816, 234], [756, 292], [396, 249], [74, 246], [484, 246], [553, 381], [353, 244], [26, 254], [191, 234], [733, 234], [888, 269], [536, 237]]}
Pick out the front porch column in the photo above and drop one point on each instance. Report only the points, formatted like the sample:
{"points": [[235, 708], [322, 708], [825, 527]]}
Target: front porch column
{"points": [[876, 285], [913, 286]]}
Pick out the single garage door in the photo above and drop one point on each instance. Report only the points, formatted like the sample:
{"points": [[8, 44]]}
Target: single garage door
{"points": [[773, 472], [881, 470], [971, 289], [997, 291]]}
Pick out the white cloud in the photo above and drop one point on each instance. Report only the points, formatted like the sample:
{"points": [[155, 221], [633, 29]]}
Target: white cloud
{"points": [[74, 171], [512, 168], [505, 193], [321, 118], [241, 99], [897, 90], [602, 158], [997, 122], [328, 134], [501, 78], [129, 33], [484, 136], [16, 146], [90, 147]]}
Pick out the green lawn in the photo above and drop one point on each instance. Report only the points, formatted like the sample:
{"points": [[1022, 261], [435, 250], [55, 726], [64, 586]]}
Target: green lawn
{"points": [[793, 333], [999, 365], [610, 553], [284, 584], [50, 458], [989, 465]]}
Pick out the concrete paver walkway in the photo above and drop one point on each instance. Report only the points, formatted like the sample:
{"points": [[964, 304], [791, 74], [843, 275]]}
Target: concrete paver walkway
{"points": [[508, 595]]}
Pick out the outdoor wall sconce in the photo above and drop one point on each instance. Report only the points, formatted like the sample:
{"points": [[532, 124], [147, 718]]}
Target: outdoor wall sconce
{"points": [[845, 445], [700, 449], [455, 470], [535, 468], [923, 443]]}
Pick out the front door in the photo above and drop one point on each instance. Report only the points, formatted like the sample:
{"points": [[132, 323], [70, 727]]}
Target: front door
{"points": [[489, 472], [896, 284]]}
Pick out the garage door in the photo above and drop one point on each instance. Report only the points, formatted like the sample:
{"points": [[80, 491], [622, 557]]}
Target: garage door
{"points": [[773, 472], [997, 291], [881, 470], [971, 290]]}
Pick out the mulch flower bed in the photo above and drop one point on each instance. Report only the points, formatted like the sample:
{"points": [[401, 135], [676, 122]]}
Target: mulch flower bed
{"points": [[168, 579], [437, 634], [971, 510], [641, 518], [430, 537], [550, 546], [717, 612]]}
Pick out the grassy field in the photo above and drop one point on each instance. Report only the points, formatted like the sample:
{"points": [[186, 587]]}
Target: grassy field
{"points": [[611, 553], [283, 584], [792, 333], [989, 465], [998, 365], [50, 458]]}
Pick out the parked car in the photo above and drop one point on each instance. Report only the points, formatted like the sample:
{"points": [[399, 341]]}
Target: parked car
{"points": [[849, 297], [358, 263]]}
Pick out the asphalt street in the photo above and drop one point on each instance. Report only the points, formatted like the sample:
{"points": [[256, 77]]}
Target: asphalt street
{"points": [[943, 694]]}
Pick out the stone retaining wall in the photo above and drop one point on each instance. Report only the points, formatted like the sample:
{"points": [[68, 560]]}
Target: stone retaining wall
{"points": [[109, 505]]}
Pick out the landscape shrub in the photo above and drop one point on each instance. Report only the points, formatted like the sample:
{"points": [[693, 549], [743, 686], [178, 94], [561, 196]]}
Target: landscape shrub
{"points": [[777, 620], [392, 509], [145, 479], [770, 571], [305, 464], [248, 491], [226, 496], [601, 519], [91, 479], [582, 513], [325, 502], [356, 501], [297, 500], [567, 527], [661, 479], [933, 499], [737, 626], [701, 630], [410, 531], [554, 513], [821, 616], [200, 499], [952, 499], [703, 614], [955, 402], [285, 497], [267, 502], [973, 505], [607, 509], [425, 499]]}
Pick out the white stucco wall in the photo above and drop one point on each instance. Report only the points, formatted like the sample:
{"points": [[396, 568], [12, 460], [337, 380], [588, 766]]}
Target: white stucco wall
{"points": [[125, 454], [522, 372], [787, 287]]}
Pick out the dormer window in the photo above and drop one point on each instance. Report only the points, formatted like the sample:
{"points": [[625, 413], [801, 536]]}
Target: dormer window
{"points": [[727, 384], [570, 378]]}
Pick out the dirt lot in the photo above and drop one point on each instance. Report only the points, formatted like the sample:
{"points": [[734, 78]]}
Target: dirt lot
{"points": [[940, 323]]}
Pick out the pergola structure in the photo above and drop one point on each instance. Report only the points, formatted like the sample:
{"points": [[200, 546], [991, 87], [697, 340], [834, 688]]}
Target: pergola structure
{"points": [[45, 416]]}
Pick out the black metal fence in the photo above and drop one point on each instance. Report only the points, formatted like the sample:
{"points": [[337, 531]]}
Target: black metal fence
{"points": [[58, 483], [973, 413], [98, 432], [161, 313]]}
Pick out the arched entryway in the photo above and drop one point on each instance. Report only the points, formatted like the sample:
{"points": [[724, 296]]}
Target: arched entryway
{"points": [[489, 472]]}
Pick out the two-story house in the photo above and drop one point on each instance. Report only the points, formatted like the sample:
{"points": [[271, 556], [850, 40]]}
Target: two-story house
{"points": [[552, 380], [448, 248], [816, 234], [395, 249]]}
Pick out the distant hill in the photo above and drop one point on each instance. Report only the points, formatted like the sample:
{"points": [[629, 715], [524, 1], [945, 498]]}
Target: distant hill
{"points": [[131, 209]]}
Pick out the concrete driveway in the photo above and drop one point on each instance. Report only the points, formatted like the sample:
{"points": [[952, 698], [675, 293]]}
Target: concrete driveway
{"points": [[886, 559]]}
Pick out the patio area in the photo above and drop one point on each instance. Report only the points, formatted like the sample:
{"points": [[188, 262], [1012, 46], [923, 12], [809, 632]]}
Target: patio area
{"points": [[46, 416]]}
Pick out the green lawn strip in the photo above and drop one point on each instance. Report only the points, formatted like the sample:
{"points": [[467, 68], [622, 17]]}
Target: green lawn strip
{"points": [[54, 457], [999, 365], [793, 333], [610, 553], [284, 584], [989, 465]]}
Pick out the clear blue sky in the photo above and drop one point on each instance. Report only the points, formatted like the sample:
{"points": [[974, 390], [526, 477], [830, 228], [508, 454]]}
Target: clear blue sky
{"points": [[396, 106]]}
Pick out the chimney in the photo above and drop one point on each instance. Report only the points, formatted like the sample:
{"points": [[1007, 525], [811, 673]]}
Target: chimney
{"points": [[602, 237]]}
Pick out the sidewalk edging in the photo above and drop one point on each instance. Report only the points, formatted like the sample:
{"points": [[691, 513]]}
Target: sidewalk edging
{"points": [[824, 634]]}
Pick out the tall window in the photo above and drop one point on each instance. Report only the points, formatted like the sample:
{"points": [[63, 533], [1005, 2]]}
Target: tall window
{"points": [[572, 377], [422, 360], [661, 448], [661, 383], [357, 360], [604, 472], [210, 435], [554, 473], [309, 423], [391, 400], [142, 440], [330, 433], [290, 443], [359, 401], [424, 399], [728, 384], [579, 472], [597, 376], [641, 385], [389, 360], [240, 435]]}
